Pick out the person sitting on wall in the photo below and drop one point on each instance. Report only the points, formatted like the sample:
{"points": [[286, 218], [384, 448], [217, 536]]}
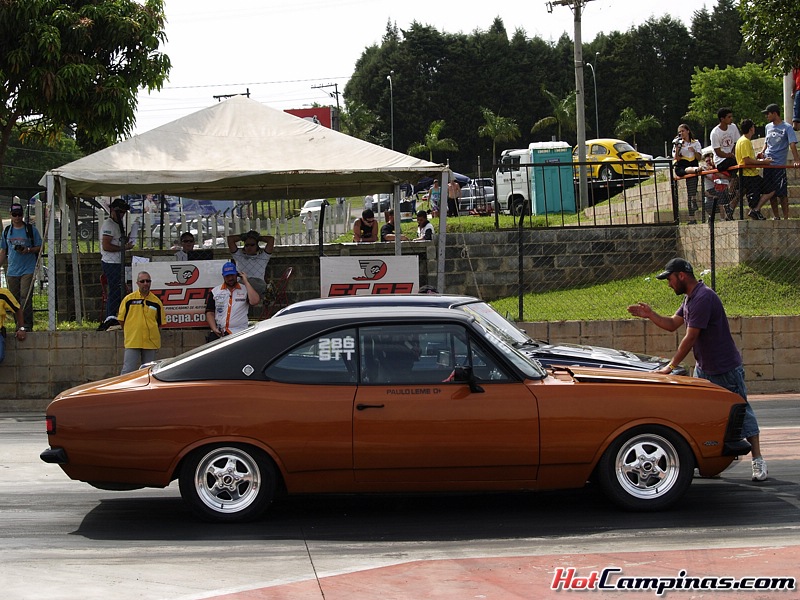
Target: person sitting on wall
{"points": [[388, 231], [251, 259], [365, 229]]}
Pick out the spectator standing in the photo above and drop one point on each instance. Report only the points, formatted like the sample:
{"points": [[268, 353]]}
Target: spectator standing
{"points": [[227, 304], [752, 183], [723, 140], [187, 245], [309, 221], [387, 231], [779, 138], [21, 243], [141, 315], [717, 186], [425, 229], [435, 198], [113, 244], [453, 196], [365, 228], [687, 156], [708, 335], [9, 304], [251, 259]]}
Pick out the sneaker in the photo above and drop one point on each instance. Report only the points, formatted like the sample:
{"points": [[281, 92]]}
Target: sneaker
{"points": [[756, 215], [109, 324], [776, 218], [729, 212], [759, 469]]}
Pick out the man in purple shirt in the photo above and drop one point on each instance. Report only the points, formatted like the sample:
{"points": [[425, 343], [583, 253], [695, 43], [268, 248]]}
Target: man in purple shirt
{"points": [[709, 337]]}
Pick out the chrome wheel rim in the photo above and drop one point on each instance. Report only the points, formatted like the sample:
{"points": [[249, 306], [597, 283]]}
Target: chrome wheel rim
{"points": [[647, 466], [227, 480]]}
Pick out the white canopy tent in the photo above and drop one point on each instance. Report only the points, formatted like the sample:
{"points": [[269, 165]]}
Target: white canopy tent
{"points": [[238, 149]]}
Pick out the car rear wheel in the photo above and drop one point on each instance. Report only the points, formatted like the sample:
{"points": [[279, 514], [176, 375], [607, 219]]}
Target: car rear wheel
{"points": [[606, 173], [228, 483], [647, 468]]}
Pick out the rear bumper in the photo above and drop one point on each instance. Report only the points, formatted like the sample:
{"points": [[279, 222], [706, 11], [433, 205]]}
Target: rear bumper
{"points": [[56, 456]]}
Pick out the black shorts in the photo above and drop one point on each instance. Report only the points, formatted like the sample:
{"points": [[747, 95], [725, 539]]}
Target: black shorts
{"points": [[775, 181], [752, 186]]}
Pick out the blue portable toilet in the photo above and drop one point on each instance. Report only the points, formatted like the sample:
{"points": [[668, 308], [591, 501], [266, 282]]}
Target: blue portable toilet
{"points": [[552, 187]]}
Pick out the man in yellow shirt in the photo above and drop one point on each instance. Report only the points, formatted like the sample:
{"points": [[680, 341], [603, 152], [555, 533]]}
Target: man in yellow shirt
{"points": [[141, 314], [8, 303], [751, 181]]}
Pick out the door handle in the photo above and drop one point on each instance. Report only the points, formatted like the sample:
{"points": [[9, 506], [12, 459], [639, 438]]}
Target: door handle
{"points": [[366, 406]]}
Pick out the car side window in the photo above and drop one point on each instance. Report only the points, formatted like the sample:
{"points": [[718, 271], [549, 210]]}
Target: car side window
{"points": [[421, 354], [597, 149], [327, 359]]}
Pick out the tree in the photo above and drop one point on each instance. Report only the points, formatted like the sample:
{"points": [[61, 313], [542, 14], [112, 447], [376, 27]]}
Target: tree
{"points": [[768, 28], [499, 129], [746, 90], [358, 121], [77, 65], [629, 124], [25, 163], [432, 142], [563, 110]]}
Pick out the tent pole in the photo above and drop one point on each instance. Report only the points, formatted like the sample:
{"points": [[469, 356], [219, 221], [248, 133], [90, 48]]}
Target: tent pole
{"points": [[51, 253]]}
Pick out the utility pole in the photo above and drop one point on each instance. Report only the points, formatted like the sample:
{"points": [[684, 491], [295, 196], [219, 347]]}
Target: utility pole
{"points": [[576, 6], [335, 95], [221, 97]]}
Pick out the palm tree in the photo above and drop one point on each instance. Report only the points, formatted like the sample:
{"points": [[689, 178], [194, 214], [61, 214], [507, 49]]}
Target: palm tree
{"points": [[432, 141], [563, 113], [629, 124], [500, 129]]}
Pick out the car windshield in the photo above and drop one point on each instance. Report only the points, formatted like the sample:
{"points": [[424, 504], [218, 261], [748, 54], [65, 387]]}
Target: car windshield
{"points": [[312, 204], [495, 322], [531, 367]]}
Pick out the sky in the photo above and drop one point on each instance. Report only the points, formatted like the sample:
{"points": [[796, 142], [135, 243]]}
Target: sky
{"points": [[280, 50]]}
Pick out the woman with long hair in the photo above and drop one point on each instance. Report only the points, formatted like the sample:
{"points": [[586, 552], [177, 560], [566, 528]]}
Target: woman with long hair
{"points": [[687, 154]]}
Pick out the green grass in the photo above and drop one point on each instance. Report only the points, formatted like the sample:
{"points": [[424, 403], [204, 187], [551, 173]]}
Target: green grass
{"points": [[763, 289]]}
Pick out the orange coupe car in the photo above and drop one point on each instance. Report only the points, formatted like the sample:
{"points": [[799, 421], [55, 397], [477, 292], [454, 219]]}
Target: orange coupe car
{"points": [[387, 400]]}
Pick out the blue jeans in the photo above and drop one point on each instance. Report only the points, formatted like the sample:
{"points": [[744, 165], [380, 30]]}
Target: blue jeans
{"points": [[113, 273], [734, 382], [796, 116]]}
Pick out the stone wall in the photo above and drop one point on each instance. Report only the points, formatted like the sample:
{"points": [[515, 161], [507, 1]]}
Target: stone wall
{"points": [[47, 363]]}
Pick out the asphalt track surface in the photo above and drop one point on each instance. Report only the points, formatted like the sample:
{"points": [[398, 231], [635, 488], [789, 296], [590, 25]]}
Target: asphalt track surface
{"points": [[65, 540]]}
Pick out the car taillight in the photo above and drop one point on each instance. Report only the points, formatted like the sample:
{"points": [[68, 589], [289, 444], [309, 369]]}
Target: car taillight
{"points": [[51, 424]]}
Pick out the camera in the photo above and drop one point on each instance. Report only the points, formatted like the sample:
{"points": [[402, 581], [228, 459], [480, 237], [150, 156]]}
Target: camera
{"points": [[19, 248]]}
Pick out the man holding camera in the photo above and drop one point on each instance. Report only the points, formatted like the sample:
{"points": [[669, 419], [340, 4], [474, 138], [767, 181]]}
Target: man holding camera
{"points": [[227, 304], [21, 243]]}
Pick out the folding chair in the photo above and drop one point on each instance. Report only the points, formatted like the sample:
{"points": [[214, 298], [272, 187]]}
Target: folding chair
{"points": [[280, 299]]}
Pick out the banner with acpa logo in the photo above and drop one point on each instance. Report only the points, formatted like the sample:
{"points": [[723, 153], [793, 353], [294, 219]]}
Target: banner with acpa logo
{"points": [[360, 276], [182, 287]]}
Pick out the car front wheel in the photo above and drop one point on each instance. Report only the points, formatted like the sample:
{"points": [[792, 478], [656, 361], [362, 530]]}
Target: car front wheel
{"points": [[228, 483], [647, 468]]}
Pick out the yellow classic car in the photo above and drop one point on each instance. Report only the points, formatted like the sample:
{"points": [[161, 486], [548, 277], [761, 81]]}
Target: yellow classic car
{"points": [[615, 159]]}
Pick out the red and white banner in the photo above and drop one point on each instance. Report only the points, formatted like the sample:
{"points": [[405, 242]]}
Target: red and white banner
{"points": [[182, 288], [363, 275]]}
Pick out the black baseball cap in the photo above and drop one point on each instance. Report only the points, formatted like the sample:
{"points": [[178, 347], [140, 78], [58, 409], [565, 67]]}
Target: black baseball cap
{"points": [[772, 108], [120, 204], [676, 265]]}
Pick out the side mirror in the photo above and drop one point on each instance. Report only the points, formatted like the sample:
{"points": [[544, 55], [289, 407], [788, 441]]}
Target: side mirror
{"points": [[464, 374]]}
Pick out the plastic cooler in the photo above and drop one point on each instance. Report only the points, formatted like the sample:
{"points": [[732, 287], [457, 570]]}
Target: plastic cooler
{"points": [[552, 186]]}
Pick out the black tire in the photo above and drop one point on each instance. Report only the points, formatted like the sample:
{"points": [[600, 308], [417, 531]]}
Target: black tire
{"points": [[519, 207], [647, 468], [606, 173], [228, 483]]}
